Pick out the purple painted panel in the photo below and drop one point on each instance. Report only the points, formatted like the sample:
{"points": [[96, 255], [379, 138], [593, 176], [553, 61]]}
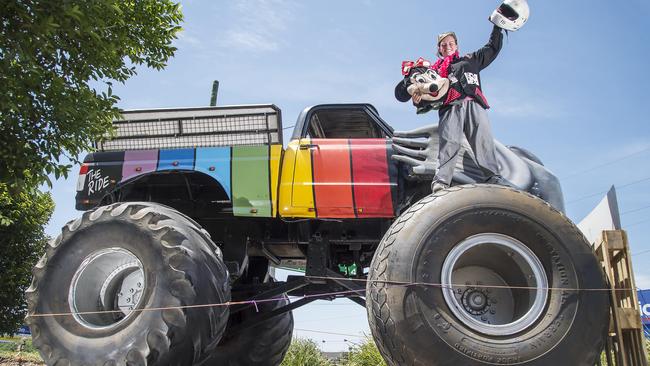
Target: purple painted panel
{"points": [[137, 162]]}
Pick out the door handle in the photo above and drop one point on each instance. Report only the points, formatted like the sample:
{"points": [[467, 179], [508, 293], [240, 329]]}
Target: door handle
{"points": [[308, 146]]}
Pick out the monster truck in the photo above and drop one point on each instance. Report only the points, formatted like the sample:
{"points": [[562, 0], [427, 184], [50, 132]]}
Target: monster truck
{"points": [[188, 211]]}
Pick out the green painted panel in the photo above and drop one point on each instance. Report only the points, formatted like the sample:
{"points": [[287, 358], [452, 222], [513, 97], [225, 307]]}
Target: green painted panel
{"points": [[250, 181]]}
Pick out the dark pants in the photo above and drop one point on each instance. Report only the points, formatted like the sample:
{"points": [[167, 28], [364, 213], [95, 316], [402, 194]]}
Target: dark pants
{"points": [[467, 119]]}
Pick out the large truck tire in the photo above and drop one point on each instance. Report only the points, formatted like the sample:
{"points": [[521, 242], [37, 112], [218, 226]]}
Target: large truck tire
{"points": [[494, 274], [123, 279], [264, 344]]}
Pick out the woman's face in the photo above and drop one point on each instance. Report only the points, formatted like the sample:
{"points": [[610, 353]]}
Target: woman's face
{"points": [[447, 46]]}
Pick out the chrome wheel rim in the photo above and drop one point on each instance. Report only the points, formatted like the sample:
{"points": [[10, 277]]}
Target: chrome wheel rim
{"points": [[494, 284], [106, 287]]}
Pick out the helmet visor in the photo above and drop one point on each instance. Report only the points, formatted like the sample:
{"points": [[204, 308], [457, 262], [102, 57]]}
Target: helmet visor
{"points": [[508, 12]]}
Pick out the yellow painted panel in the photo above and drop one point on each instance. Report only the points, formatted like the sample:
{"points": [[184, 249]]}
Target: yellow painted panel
{"points": [[303, 186], [286, 178], [296, 187], [275, 157]]}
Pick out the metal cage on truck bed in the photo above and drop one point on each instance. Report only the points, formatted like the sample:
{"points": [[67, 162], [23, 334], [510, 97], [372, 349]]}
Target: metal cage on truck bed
{"points": [[195, 127]]}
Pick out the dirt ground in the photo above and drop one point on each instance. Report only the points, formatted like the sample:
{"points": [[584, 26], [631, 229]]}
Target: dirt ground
{"points": [[8, 362], [17, 363]]}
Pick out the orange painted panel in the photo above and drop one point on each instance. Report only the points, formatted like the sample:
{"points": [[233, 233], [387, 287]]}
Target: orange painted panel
{"points": [[332, 178]]}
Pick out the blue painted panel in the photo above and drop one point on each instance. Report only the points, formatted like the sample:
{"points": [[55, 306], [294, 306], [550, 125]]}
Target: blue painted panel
{"points": [[215, 162], [644, 302], [179, 159]]}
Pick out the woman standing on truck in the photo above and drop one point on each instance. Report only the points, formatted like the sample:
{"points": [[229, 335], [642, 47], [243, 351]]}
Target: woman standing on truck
{"points": [[465, 110]]}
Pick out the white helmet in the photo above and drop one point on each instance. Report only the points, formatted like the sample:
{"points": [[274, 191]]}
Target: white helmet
{"points": [[511, 15]]}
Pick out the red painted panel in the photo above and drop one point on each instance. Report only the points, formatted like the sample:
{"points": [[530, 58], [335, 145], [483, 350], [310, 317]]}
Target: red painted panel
{"points": [[332, 178], [372, 184]]}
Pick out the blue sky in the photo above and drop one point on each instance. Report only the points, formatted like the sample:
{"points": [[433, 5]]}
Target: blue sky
{"points": [[571, 86]]}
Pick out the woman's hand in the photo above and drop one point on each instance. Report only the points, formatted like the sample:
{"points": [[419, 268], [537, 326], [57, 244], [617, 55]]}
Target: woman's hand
{"points": [[417, 98]]}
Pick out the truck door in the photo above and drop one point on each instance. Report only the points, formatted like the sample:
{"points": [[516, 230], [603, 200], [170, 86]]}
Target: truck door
{"points": [[342, 166]]}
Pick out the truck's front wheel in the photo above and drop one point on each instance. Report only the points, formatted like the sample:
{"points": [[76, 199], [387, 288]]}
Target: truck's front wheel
{"points": [[113, 288], [496, 276]]}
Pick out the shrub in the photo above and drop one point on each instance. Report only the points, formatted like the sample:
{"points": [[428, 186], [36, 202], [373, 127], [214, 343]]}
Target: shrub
{"points": [[23, 216], [304, 352], [365, 354], [9, 352]]}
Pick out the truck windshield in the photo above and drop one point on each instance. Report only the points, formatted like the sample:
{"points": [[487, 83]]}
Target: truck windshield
{"points": [[343, 123]]}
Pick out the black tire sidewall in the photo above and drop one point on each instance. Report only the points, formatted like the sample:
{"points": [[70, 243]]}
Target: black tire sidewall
{"points": [[547, 332], [62, 267], [427, 326], [179, 270]]}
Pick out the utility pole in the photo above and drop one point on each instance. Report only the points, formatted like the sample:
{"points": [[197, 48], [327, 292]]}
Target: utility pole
{"points": [[215, 90]]}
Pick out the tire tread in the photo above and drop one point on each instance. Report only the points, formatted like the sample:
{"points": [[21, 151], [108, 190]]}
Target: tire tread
{"points": [[175, 241], [382, 324]]}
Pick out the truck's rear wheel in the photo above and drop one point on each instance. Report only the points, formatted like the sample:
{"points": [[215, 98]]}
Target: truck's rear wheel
{"points": [[264, 344], [111, 265], [496, 272]]}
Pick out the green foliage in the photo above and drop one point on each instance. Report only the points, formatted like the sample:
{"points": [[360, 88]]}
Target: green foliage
{"points": [[365, 354], [54, 56], [27, 356], [14, 342], [304, 352], [22, 240], [51, 52]]}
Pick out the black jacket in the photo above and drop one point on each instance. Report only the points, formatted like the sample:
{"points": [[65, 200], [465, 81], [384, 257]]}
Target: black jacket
{"points": [[464, 72]]}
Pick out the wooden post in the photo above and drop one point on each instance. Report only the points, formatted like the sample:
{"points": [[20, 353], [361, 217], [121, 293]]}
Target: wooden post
{"points": [[625, 338]]}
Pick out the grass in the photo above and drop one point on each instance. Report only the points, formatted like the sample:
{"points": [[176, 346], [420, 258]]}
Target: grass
{"points": [[9, 351], [302, 352]]}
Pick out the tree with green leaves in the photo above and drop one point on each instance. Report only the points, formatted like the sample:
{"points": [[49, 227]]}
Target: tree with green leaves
{"points": [[304, 352], [58, 60], [55, 56], [22, 241]]}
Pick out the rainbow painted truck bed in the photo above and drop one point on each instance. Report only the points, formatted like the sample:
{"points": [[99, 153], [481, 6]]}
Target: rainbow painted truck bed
{"points": [[348, 175]]}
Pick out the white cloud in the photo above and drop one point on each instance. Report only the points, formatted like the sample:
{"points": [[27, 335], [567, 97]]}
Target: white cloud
{"points": [[631, 148], [642, 281], [327, 85], [512, 99], [618, 159], [185, 38], [261, 25], [250, 40]]}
